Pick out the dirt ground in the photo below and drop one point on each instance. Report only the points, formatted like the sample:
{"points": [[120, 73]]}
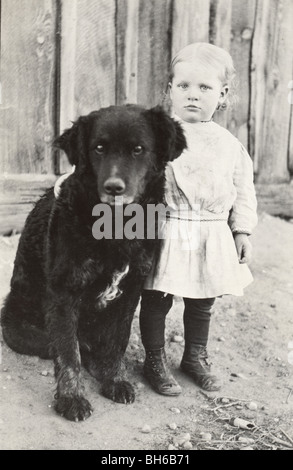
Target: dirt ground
{"points": [[251, 347]]}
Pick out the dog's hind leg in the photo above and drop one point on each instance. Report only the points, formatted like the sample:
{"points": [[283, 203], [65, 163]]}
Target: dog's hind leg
{"points": [[19, 334]]}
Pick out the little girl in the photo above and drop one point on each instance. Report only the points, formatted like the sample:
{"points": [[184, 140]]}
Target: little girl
{"points": [[216, 174]]}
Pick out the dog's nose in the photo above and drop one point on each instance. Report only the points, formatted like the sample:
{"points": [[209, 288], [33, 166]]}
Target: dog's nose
{"points": [[114, 186]]}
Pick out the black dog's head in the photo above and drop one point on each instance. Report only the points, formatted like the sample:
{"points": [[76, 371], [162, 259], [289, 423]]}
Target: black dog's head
{"points": [[124, 148]]}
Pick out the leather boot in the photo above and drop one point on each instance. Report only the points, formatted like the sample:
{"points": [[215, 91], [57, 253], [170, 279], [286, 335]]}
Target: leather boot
{"points": [[195, 364], [157, 373]]}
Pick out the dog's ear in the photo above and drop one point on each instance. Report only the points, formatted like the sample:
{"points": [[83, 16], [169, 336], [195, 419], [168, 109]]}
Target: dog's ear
{"points": [[74, 141], [169, 134]]}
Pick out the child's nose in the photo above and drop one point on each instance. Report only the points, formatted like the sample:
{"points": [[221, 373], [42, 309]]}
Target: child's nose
{"points": [[193, 94]]}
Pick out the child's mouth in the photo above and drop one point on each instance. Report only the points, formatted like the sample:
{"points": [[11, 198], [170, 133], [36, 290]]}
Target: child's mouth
{"points": [[192, 107]]}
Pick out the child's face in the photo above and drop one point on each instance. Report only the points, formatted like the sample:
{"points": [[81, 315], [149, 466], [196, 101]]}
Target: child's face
{"points": [[196, 91]]}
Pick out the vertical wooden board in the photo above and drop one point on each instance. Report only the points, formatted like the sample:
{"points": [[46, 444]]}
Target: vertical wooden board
{"points": [[190, 23], [127, 37], [28, 61], [68, 105], [220, 23], [88, 59], [242, 26], [219, 35], [153, 51], [272, 56], [290, 147]]}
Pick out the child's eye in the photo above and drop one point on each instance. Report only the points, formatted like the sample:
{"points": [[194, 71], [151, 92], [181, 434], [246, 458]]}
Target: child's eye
{"points": [[204, 87], [184, 86]]}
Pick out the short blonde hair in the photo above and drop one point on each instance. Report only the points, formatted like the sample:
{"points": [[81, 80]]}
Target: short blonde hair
{"points": [[213, 56]]}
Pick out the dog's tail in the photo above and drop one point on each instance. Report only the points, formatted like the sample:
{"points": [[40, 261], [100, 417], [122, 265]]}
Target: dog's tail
{"points": [[23, 337]]}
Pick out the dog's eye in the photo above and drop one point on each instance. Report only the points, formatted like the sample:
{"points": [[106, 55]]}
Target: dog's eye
{"points": [[99, 149], [138, 149]]}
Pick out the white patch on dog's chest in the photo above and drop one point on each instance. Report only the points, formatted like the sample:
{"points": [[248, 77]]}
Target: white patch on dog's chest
{"points": [[112, 291]]}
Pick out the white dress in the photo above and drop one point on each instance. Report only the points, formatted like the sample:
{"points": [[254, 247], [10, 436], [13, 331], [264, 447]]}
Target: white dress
{"points": [[214, 178]]}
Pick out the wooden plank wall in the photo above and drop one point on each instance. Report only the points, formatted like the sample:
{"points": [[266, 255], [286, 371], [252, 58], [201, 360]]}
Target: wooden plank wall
{"points": [[28, 64], [272, 62], [63, 58]]}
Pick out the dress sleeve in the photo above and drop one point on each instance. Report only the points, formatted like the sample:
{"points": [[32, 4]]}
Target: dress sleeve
{"points": [[243, 215]]}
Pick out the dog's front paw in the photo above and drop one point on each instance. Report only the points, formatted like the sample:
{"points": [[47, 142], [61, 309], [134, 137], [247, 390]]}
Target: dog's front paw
{"points": [[73, 408], [121, 392]]}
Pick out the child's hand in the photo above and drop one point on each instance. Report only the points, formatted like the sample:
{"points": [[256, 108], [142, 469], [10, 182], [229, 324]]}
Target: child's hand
{"points": [[243, 247]]}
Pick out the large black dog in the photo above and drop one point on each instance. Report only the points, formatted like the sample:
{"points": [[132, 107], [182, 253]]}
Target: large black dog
{"points": [[63, 302]]}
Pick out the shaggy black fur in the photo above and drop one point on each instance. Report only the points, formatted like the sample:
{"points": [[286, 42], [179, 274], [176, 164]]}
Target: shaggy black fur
{"points": [[53, 309]]}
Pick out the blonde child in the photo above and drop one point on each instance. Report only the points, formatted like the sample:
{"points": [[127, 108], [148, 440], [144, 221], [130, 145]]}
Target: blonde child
{"points": [[215, 173]]}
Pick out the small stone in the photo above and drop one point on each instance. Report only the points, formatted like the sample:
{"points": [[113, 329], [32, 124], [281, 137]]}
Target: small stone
{"points": [[139, 385], [44, 373], [276, 420], [249, 415], [206, 436], [177, 339], [238, 407], [40, 39], [273, 305], [225, 400], [172, 426], [247, 448], [175, 410], [8, 377], [187, 445], [221, 339], [146, 429], [183, 438], [246, 440], [252, 406], [239, 375], [171, 447], [5, 369]]}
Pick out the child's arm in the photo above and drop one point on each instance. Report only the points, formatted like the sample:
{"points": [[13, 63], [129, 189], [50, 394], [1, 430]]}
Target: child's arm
{"points": [[243, 216], [243, 247]]}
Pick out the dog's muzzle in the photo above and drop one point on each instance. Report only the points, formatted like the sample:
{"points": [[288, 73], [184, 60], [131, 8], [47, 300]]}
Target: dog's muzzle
{"points": [[114, 186]]}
